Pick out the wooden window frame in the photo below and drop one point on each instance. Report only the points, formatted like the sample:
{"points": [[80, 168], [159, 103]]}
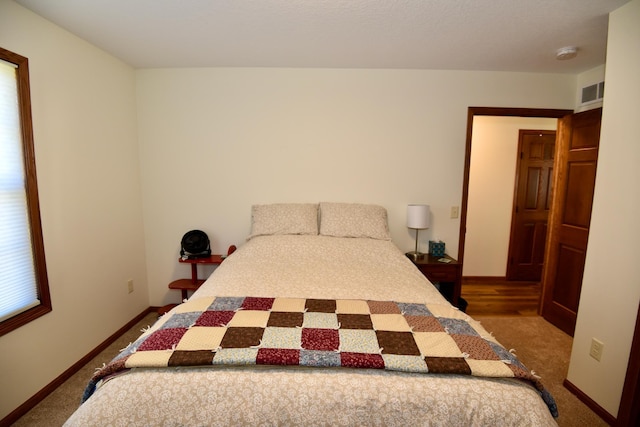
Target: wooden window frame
{"points": [[33, 205]]}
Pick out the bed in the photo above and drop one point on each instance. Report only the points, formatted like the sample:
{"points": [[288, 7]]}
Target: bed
{"points": [[311, 281]]}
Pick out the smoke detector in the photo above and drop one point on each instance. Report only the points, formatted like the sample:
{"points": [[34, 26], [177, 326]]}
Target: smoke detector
{"points": [[567, 52]]}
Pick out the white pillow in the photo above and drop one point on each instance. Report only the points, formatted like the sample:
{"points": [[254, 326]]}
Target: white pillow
{"points": [[284, 218], [354, 220]]}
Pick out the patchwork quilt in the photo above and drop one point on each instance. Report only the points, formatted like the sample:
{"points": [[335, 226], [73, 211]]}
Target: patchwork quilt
{"points": [[363, 334]]}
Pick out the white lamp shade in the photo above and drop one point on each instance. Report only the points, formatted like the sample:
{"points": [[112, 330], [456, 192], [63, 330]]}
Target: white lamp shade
{"points": [[418, 216]]}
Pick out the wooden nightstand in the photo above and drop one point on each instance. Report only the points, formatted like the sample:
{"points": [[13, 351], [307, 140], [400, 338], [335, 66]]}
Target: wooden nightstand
{"points": [[447, 275], [186, 285], [194, 283]]}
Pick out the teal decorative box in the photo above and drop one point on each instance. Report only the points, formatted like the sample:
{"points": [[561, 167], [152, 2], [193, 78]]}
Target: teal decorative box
{"points": [[436, 248]]}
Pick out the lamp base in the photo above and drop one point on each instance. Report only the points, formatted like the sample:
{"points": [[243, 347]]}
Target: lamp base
{"points": [[415, 256]]}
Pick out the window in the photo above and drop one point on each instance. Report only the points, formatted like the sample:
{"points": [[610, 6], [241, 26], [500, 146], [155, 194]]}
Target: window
{"points": [[24, 290]]}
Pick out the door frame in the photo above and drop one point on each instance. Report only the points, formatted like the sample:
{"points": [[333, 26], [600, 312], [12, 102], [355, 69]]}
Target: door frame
{"points": [[500, 112], [629, 410]]}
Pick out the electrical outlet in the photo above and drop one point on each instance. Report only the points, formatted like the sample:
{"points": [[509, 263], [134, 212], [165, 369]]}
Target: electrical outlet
{"points": [[455, 211], [596, 349], [130, 285]]}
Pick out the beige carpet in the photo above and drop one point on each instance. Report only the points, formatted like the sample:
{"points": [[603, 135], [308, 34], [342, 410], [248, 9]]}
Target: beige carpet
{"points": [[59, 405], [538, 344], [546, 350]]}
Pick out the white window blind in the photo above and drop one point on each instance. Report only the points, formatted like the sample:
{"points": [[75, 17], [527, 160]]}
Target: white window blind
{"points": [[18, 288]]}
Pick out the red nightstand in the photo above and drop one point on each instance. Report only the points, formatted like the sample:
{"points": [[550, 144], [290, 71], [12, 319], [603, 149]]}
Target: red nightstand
{"points": [[186, 285]]}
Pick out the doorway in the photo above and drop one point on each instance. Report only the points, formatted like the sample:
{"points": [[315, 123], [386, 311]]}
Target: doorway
{"points": [[475, 114]]}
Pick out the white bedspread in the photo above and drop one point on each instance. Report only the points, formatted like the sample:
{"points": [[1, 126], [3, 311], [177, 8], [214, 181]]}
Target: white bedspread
{"points": [[312, 267], [320, 267]]}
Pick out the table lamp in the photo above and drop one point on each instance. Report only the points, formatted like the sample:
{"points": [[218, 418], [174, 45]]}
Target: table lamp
{"points": [[418, 219]]}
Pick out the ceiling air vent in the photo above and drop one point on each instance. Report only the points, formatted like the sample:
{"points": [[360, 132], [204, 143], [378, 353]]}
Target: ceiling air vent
{"points": [[592, 93]]}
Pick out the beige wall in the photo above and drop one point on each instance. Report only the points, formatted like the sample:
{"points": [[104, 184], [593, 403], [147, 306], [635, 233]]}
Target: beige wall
{"points": [[84, 117], [610, 290], [215, 141], [492, 174]]}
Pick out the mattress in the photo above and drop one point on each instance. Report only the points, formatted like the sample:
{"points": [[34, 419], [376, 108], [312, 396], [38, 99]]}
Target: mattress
{"points": [[313, 266]]}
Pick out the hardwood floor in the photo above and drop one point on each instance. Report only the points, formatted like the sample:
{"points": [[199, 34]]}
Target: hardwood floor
{"points": [[498, 297]]}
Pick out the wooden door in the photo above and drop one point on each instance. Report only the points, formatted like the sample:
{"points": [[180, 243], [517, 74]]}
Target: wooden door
{"points": [[532, 201], [574, 181]]}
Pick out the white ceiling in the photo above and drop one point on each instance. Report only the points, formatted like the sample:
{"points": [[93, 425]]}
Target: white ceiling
{"points": [[494, 35]]}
